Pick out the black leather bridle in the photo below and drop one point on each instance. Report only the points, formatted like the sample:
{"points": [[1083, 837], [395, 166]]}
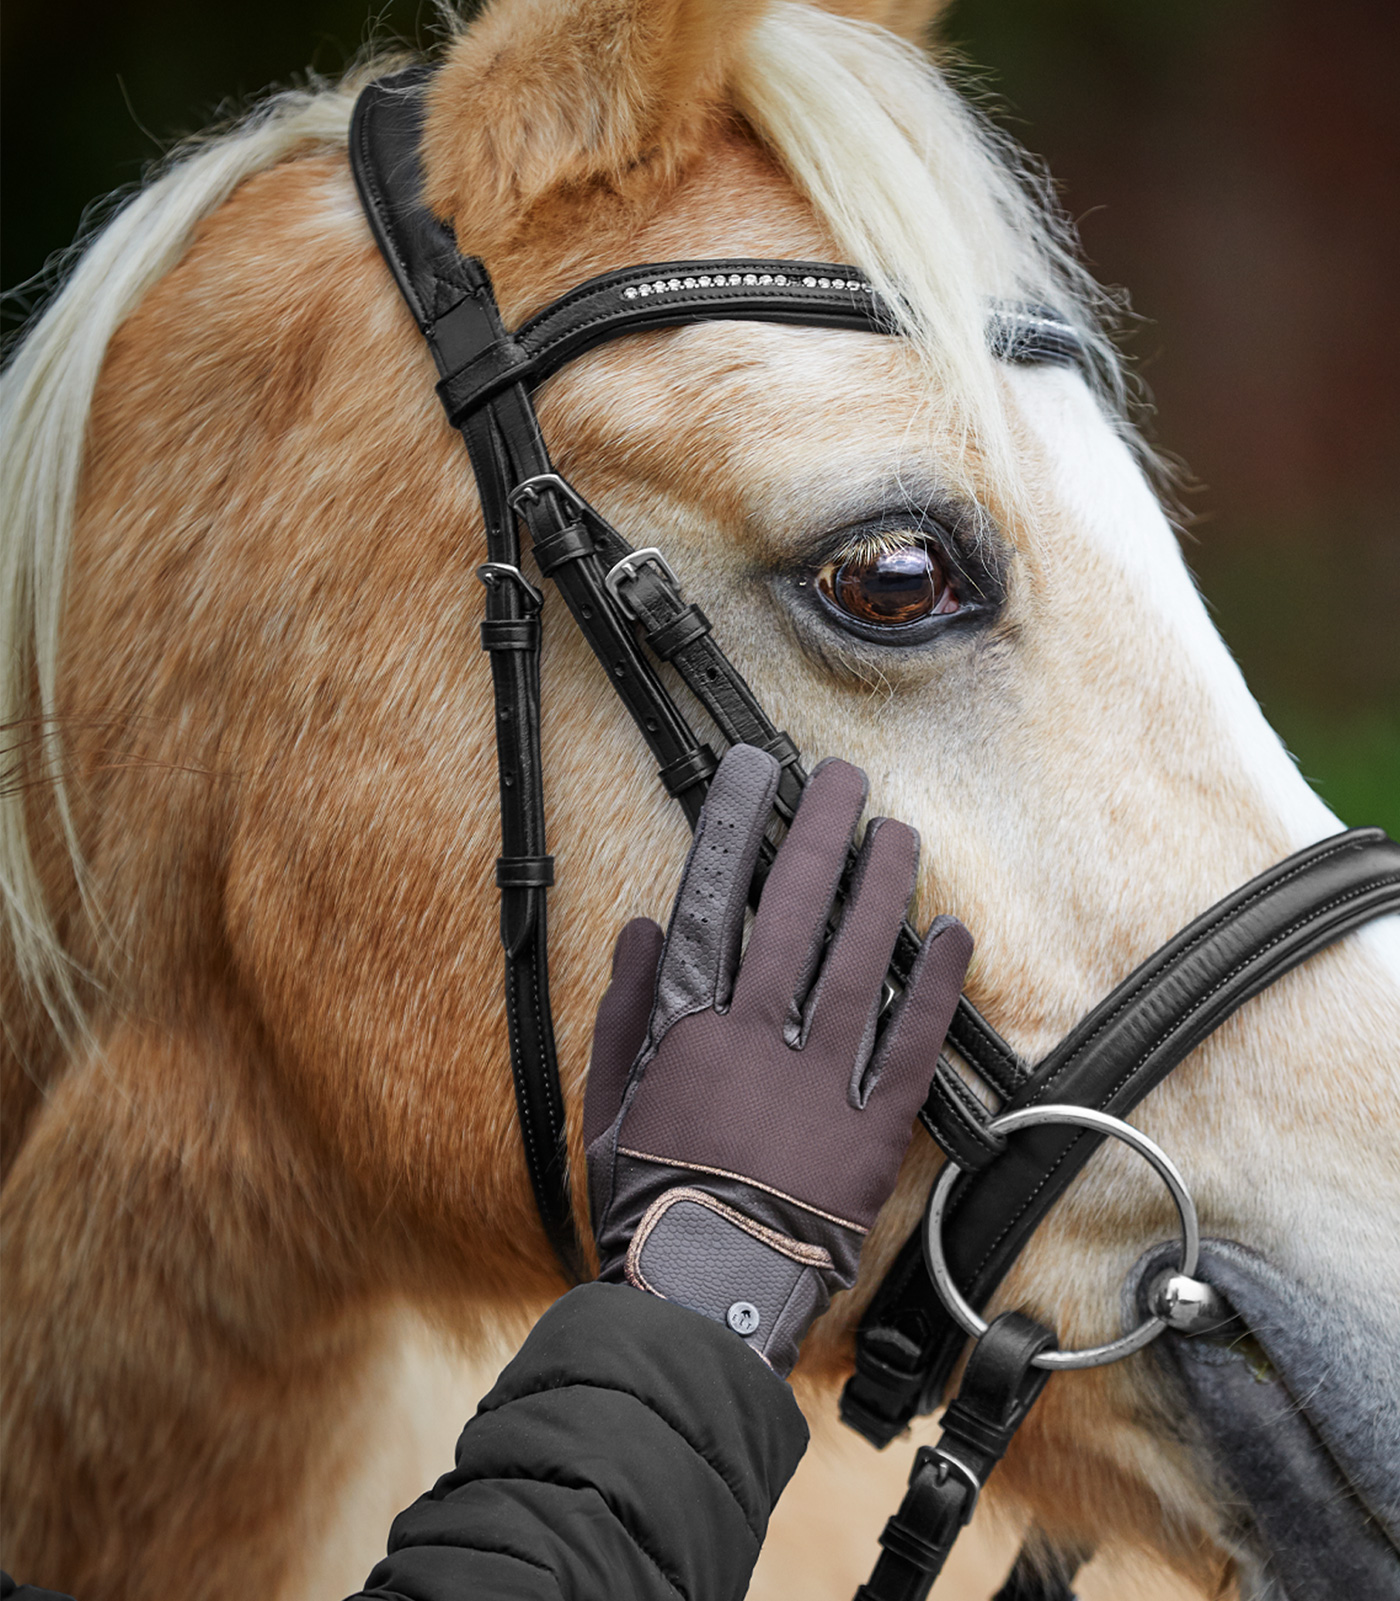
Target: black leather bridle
{"points": [[907, 1344]]}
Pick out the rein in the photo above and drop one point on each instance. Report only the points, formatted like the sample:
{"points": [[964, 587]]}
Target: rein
{"points": [[1007, 1179]]}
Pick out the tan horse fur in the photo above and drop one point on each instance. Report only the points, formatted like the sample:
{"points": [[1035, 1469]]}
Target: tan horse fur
{"points": [[288, 1135]]}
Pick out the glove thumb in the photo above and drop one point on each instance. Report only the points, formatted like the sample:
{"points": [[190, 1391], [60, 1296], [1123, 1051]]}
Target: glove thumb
{"points": [[621, 1028]]}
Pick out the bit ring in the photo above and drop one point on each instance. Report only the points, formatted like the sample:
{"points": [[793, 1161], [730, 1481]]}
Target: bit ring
{"points": [[1092, 1356]]}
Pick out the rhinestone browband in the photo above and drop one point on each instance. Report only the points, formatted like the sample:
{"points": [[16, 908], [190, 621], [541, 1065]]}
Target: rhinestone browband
{"points": [[662, 286]]}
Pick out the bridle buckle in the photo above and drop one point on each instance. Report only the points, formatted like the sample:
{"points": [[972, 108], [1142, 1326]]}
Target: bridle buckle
{"points": [[941, 1454], [490, 572], [628, 568], [532, 488]]}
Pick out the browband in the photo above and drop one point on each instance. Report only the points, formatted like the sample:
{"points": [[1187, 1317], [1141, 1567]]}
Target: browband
{"points": [[670, 294], [421, 253]]}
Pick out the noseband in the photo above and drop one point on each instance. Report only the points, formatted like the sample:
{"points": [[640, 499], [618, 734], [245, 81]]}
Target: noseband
{"points": [[1010, 1169]]}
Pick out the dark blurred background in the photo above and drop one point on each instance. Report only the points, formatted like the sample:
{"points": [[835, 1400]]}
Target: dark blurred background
{"points": [[1234, 163]]}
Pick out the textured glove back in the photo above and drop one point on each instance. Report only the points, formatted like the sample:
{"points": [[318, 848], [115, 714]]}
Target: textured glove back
{"points": [[746, 1120]]}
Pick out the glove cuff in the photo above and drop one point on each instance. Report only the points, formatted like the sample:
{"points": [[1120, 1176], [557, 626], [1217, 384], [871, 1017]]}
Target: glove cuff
{"points": [[695, 1251]]}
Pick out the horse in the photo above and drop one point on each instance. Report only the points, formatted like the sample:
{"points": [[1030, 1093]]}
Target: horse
{"points": [[266, 1216]]}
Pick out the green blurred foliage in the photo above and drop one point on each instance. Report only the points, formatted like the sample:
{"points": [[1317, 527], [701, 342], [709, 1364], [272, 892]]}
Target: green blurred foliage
{"points": [[1322, 653], [1213, 152]]}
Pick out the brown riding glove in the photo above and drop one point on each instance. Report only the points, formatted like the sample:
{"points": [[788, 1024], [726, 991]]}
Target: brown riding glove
{"points": [[745, 1121]]}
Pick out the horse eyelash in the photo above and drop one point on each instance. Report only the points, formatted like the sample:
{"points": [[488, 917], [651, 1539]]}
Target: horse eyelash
{"points": [[869, 547]]}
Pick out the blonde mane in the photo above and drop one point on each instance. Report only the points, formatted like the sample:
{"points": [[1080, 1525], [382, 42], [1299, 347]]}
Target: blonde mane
{"points": [[917, 189], [45, 400]]}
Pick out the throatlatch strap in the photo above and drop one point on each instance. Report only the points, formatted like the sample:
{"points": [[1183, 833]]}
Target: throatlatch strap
{"points": [[907, 1344], [451, 301]]}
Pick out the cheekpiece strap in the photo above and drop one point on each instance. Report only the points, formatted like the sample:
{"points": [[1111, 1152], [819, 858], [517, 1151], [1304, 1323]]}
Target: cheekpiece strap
{"points": [[486, 375]]}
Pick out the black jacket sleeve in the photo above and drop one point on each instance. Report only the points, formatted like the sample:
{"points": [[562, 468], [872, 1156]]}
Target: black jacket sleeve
{"points": [[632, 1449]]}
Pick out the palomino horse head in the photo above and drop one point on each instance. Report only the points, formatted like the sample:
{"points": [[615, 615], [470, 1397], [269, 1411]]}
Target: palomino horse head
{"points": [[258, 1080]]}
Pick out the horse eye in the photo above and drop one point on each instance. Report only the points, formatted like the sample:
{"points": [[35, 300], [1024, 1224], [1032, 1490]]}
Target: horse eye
{"points": [[890, 587]]}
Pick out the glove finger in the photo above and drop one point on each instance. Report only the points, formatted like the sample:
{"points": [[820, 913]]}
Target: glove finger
{"points": [[621, 1028], [845, 1003], [899, 1077], [790, 927], [707, 924]]}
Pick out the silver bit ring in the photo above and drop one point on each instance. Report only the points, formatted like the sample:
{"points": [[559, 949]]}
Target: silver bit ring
{"points": [[1092, 1356]]}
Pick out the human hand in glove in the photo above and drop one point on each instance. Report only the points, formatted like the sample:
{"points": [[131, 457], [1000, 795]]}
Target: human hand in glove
{"points": [[745, 1120]]}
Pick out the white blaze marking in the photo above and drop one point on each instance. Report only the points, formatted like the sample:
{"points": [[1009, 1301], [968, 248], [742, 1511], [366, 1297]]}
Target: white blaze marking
{"points": [[1099, 483]]}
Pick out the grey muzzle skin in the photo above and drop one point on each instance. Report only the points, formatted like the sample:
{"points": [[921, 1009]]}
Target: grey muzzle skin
{"points": [[1295, 1406], [745, 1119]]}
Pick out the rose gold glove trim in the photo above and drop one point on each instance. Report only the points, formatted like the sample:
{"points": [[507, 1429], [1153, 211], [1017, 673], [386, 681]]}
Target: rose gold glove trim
{"points": [[795, 1250], [742, 1178]]}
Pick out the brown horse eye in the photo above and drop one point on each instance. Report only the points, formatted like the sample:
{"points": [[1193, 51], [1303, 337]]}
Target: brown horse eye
{"points": [[903, 585]]}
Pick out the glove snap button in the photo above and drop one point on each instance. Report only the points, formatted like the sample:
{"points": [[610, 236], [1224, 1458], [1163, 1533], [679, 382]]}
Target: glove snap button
{"points": [[742, 1317]]}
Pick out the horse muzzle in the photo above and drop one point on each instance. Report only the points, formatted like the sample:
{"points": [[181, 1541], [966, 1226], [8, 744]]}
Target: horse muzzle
{"points": [[1295, 1406]]}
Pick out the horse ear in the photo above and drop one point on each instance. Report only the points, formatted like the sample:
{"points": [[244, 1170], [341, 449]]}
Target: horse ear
{"points": [[572, 99], [910, 19]]}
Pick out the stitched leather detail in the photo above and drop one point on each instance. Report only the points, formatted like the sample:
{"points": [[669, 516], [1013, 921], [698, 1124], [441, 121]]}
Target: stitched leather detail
{"points": [[479, 380], [783, 749], [670, 638], [719, 1172], [961, 1128], [571, 543], [524, 872], [451, 301], [1253, 956], [694, 767], [984, 1050], [510, 633], [1042, 1092]]}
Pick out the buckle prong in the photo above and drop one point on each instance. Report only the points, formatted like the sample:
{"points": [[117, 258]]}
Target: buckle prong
{"points": [[530, 489], [941, 1453]]}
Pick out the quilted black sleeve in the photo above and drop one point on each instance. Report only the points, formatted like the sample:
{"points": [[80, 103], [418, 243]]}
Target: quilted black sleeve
{"points": [[631, 1448]]}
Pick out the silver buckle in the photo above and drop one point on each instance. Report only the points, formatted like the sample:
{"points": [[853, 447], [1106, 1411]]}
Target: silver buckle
{"points": [[490, 571], [965, 1473], [532, 488], [628, 567]]}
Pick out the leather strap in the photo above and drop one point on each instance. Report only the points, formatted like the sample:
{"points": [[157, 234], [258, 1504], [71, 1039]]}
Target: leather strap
{"points": [[451, 301], [999, 1388], [907, 1344], [649, 592], [669, 294]]}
